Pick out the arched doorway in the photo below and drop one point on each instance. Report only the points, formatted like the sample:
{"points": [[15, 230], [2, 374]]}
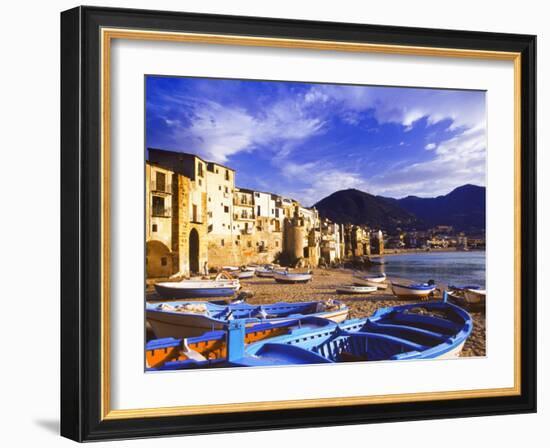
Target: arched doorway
{"points": [[194, 251], [158, 259]]}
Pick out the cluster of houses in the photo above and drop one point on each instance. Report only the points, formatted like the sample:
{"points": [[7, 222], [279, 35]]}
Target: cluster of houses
{"points": [[197, 219], [438, 237]]}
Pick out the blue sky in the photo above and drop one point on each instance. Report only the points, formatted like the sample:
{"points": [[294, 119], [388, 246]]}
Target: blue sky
{"points": [[306, 140]]}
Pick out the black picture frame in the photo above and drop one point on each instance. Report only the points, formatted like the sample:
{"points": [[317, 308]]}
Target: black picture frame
{"points": [[81, 210]]}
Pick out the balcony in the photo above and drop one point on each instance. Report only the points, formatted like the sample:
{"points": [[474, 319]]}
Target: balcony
{"points": [[243, 202], [161, 187], [244, 217], [161, 212]]}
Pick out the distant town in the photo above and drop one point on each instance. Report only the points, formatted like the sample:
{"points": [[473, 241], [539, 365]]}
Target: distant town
{"points": [[197, 219]]}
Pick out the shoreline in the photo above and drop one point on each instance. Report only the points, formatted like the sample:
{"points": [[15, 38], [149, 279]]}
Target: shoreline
{"points": [[421, 251]]}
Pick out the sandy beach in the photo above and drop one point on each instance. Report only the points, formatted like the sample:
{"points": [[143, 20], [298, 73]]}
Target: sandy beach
{"points": [[323, 286]]}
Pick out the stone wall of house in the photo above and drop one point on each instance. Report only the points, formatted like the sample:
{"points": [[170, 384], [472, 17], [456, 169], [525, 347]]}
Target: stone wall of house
{"points": [[260, 247], [183, 226]]}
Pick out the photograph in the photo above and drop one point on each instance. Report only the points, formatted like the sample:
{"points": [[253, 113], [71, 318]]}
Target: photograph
{"points": [[295, 223]]}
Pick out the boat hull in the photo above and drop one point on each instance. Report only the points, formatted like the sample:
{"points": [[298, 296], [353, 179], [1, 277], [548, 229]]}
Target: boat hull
{"points": [[350, 289], [474, 298], [291, 278], [411, 293], [173, 292], [243, 274]]}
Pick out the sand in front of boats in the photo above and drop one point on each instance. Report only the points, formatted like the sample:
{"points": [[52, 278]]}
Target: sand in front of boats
{"points": [[323, 287]]}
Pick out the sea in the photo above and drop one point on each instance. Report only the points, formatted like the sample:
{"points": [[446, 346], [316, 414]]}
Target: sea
{"points": [[451, 268]]}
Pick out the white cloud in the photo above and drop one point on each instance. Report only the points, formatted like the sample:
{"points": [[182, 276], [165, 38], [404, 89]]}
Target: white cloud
{"points": [[217, 132], [320, 180], [430, 146], [457, 161], [406, 106]]}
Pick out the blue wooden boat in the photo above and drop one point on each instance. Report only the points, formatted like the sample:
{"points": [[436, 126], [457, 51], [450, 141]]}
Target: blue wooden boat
{"points": [[417, 331], [186, 319], [210, 349]]}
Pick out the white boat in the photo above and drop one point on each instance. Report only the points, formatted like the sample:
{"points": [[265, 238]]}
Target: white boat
{"points": [[264, 272], [292, 277], [413, 291], [467, 296], [243, 274], [197, 288], [374, 278], [354, 289], [230, 268], [475, 296]]}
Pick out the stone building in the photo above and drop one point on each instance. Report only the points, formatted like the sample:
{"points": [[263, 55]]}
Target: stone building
{"points": [[234, 226], [175, 221], [377, 243], [332, 241]]}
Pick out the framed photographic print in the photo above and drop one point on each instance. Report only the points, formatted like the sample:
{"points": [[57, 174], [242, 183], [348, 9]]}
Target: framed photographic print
{"points": [[276, 224]]}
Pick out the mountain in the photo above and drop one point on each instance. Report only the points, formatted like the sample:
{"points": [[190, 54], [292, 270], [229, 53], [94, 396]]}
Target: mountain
{"points": [[357, 207], [463, 208]]}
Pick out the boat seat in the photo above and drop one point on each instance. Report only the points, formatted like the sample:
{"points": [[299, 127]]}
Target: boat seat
{"points": [[425, 322], [407, 332]]}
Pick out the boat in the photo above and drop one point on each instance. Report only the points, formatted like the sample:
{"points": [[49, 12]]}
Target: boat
{"points": [[413, 291], [198, 288], [374, 278], [292, 277], [186, 319], [243, 274], [210, 348], [230, 268], [264, 272], [469, 296], [354, 289], [475, 296], [419, 331]]}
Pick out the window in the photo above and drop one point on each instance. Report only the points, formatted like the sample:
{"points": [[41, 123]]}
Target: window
{"points": [[226, 209], [155, 227], [276, 213], [163, 261], [249, 244], [161, 181], [201, 173], [222, 243], [200, 182], [158, 206], [226, 174], [220, 187], [276, 243], [258, 211], [226, 190], [195, 216]]}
